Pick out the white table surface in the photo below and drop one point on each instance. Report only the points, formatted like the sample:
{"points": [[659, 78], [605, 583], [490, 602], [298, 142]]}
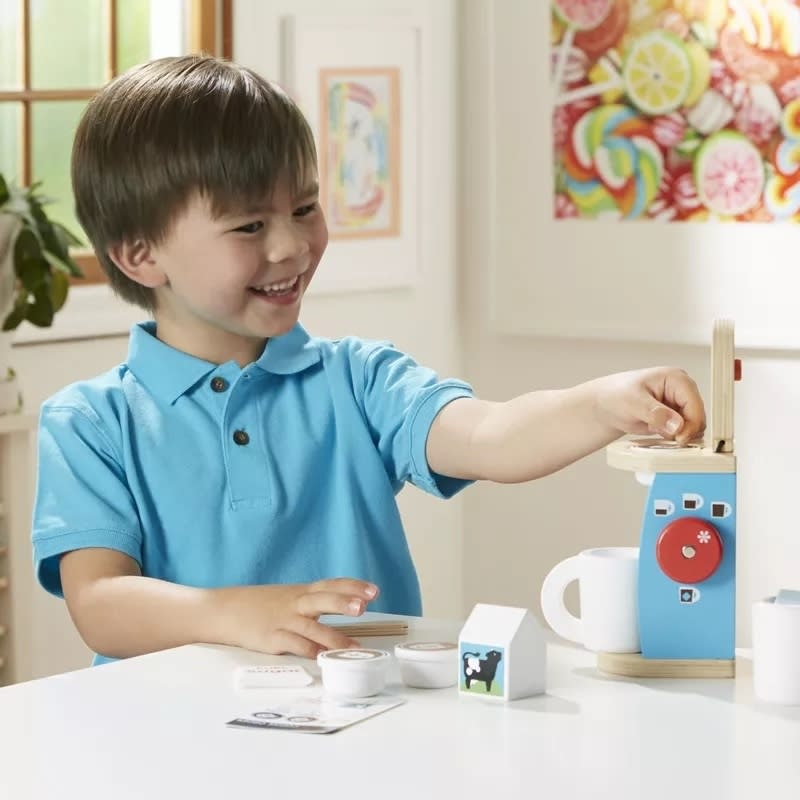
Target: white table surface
{"points": [[154, 727]]}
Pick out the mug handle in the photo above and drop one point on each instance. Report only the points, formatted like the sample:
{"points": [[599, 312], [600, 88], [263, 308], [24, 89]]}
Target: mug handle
{"points": [[564, 623]]}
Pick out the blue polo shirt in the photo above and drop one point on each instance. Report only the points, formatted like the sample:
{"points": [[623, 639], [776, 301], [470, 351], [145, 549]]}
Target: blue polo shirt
{"points": [[211, 475]]}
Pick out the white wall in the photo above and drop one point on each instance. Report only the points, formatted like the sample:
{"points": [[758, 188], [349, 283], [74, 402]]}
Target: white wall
{"points": [[514, 535]]}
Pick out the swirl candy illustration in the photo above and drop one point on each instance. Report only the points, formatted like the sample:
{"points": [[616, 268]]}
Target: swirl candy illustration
{"points": [[612, 163], [782, 195]]}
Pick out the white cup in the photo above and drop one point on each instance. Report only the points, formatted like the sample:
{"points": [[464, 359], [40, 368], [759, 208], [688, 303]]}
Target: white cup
{"points": [[353, 672], [607, 585], [776, 651], [428, 665]]}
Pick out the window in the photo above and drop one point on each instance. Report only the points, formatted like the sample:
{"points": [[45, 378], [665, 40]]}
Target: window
{"points": [[55, 55]]}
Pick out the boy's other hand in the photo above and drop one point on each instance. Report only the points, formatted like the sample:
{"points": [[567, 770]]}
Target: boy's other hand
{"points": [[284, 618], [662, 400]]}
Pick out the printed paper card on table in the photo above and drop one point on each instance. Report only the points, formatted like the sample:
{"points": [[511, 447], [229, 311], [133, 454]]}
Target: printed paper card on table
{"points": [[314, 713], [676, 110]]}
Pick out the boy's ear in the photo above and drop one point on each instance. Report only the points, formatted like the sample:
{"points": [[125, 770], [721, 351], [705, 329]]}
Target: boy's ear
{"points": [[136, 260]]}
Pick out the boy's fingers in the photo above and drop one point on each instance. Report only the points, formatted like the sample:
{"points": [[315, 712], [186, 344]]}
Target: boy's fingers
{"points": [[295, 645], [694, 424], [663, 420], [323, 635], [315, 603], [347, 586], [682, 394]]}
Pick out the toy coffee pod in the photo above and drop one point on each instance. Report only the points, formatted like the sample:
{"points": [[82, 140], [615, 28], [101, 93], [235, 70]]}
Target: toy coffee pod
{"points": [[428, 665], [354, 672]]}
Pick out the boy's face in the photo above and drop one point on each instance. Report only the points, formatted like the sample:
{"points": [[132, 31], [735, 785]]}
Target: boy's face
{"points": [[228, 284]]}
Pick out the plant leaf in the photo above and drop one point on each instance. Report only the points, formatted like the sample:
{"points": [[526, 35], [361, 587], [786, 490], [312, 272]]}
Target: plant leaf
{"points": [[41, 311], [15, 316], [59, 288], [42, 263], [67, 265], [70, 237], [27, 248], [31, 266]]}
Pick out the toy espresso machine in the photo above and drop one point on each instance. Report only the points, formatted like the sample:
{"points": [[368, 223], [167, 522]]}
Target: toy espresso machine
{"points": [[687, 556]]}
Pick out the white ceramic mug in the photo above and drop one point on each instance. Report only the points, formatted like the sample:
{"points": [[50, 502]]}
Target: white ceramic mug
{"points": [[607, 585], [776, 651]]}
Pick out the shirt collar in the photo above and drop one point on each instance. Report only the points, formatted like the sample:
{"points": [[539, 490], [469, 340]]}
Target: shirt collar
{"points": [[169, 373]]}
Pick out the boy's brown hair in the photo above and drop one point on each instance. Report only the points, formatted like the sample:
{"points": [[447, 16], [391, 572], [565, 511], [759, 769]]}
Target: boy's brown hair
{"points": [[173, 127]]}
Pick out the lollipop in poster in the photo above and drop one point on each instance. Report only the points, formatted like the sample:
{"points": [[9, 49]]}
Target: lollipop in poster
{"points": [[576, 15]]}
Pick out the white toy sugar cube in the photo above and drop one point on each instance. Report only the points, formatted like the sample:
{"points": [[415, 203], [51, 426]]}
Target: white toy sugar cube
{"points": [[502, 653]]}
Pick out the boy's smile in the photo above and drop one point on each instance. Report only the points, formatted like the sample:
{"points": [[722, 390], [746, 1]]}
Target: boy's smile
{"points": [[280, 292], [224, 285]]}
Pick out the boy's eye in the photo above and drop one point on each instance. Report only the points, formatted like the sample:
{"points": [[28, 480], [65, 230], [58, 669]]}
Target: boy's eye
{"points": [[251, 227], [304, 211]]}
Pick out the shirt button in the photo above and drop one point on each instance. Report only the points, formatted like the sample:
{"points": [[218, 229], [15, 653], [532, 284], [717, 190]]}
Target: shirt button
{"points": [[241, 437], [219, 384]]}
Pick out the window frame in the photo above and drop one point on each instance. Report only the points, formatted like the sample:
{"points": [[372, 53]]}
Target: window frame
{"points": [[209, 30]]}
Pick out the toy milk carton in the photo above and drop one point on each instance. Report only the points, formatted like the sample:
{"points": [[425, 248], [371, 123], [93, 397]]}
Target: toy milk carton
{"points": [[502, 653]]}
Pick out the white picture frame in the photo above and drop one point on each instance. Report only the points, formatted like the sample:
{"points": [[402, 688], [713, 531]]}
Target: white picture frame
{"points": [[624, 281], [363, 73]]}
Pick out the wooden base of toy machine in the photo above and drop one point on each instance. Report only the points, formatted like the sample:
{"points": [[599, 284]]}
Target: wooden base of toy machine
{"points": [[633, 665]]}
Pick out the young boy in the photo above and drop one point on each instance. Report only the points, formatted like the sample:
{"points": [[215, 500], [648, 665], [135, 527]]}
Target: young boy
{"points": [[215, 486]]}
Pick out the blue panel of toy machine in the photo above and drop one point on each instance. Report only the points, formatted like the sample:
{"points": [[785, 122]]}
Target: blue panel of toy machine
{"points": [[688, 620]]}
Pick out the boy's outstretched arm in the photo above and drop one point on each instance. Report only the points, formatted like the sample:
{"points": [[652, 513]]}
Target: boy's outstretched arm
{"points": [[539, 433], [119, 613]]}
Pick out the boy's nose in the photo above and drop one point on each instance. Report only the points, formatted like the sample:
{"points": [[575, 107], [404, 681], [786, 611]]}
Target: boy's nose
{"points": [[283, 242]]}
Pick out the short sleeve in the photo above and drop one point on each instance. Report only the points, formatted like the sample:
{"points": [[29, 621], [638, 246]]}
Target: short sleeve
{"points": [[401, 400], [82, 498]]}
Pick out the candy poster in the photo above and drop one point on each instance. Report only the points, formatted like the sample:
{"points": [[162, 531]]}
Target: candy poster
{"points": [[676, 110]]}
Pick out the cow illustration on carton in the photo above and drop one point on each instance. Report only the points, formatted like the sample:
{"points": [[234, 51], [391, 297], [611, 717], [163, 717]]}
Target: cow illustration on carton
{"points": [[502, 653]]}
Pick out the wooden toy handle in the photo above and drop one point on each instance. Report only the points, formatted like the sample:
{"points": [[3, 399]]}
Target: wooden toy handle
{"points": [[719, 434]]}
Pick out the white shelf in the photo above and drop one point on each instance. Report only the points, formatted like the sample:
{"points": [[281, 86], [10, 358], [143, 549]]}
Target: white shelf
{"points": [[17, 583]]}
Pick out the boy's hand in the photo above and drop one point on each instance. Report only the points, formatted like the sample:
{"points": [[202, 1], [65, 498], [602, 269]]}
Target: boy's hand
{"points": [[663, 400], [283, 618]]}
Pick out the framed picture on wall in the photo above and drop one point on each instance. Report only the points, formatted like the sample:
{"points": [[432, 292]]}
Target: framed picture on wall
{"points": [[360, 166], [357, 80], [645, 170]]}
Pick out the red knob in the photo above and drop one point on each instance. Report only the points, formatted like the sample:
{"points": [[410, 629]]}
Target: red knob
{"points": [[689, 550]]}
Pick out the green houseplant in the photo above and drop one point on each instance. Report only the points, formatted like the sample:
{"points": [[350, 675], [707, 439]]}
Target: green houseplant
{"points": [[35, 268], [37, 265]]}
